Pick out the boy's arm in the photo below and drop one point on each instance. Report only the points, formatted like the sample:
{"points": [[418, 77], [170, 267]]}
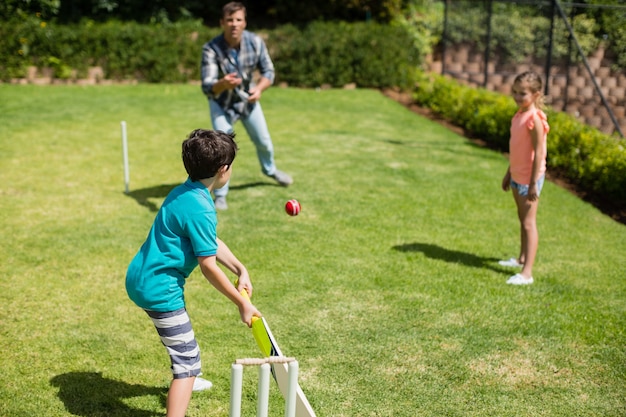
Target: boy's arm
{"points": [[220, 281], [227, 258]]}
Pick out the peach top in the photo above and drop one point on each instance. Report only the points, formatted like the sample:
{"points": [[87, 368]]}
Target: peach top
{"points": [[522, 153]]}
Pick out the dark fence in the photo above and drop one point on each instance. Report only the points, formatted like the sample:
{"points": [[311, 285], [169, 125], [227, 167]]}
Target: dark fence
{"points": [[487, 42]]}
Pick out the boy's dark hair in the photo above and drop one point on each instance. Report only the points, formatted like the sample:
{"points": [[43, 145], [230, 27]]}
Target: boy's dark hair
{"points": [[205, 151], [232, 7]]}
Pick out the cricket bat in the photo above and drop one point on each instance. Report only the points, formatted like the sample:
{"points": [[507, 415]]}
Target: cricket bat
{"points": [[269, 347]]}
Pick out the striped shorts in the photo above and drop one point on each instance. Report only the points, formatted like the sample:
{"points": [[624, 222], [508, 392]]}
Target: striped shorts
{"points": [[174, 328]]}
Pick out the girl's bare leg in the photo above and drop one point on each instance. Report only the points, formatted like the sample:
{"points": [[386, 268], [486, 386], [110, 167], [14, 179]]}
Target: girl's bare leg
{"points": [[529, 236]]}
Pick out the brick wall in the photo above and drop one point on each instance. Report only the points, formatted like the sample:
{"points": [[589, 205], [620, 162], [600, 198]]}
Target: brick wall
{"points": [[576, 95]]}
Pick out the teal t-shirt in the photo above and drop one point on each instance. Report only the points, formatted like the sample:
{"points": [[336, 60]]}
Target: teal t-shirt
{"points": [[184, 228]]}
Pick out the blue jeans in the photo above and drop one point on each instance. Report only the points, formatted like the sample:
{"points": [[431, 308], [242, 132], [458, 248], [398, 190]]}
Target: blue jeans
{"points": [[256, 126]]}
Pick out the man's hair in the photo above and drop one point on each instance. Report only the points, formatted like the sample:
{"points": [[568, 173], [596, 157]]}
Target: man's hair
{"points": [[205, 151], [232, 7]]}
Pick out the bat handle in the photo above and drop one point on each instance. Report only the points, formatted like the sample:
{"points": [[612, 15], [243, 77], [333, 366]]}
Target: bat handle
{"points": [[244, 294]]}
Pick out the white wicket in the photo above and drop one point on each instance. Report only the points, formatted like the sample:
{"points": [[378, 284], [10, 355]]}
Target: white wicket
{"points": [[263, 391], [125, 157]]}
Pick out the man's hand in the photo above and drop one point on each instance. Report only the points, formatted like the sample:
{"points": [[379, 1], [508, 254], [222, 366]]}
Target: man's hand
{"points": [[256, 91], [231, 81], [254, 95]]}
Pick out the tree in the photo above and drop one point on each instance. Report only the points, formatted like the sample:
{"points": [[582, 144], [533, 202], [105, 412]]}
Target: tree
{"points": [[266, 12], [11, 9]]}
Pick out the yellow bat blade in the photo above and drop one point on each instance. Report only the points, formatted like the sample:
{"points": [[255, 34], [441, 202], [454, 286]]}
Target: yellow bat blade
{"points": [[261, 336], [265, 339]]}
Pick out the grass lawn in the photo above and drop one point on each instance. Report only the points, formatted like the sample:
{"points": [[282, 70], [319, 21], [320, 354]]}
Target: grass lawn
{"points": [[386, 287]]}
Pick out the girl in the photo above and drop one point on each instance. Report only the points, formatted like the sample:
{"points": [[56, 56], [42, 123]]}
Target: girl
{"points": [[527, 167]]}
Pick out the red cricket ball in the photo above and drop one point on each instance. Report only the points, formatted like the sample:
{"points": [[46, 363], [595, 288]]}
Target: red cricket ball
{"points": [[292, 207]]}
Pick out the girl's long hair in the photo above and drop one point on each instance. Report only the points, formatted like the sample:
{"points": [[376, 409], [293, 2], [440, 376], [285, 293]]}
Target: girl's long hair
{"points": [[533, 80]]}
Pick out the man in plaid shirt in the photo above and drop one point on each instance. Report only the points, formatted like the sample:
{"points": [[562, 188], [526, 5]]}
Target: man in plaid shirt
{"points": [[234, 56]]}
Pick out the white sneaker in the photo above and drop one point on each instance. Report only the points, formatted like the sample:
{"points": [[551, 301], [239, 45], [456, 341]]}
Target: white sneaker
{"points": [[201, 384], [519, 279], [511, 262]]}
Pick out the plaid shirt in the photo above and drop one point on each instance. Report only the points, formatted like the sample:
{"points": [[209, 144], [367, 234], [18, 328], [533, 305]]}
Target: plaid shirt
{"points": [[218, 59]]}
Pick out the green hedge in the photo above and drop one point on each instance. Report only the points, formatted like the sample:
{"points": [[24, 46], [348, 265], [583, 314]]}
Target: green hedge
{"points": [[594, 161], [152, 53], [368, 54]]}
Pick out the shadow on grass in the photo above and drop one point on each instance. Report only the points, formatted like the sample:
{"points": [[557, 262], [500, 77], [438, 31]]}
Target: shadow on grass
{"points": [[414, 144], [252, 185], [143, 195], [452, 256], [89, 394]]}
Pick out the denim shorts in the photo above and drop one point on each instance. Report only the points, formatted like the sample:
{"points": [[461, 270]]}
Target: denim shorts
{"points": [[522, 189]]}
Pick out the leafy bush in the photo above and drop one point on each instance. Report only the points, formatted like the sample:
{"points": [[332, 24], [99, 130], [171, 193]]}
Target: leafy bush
{"points": [[14, 51], [423, 20], [313, 56], [479, 111], [587, 156], [368, 54], [492, 118], [594, 161], [152, 53]]}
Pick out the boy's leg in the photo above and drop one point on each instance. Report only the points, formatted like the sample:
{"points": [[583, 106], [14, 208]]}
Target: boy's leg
{"points": [[179, 396], [177, 336]]}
